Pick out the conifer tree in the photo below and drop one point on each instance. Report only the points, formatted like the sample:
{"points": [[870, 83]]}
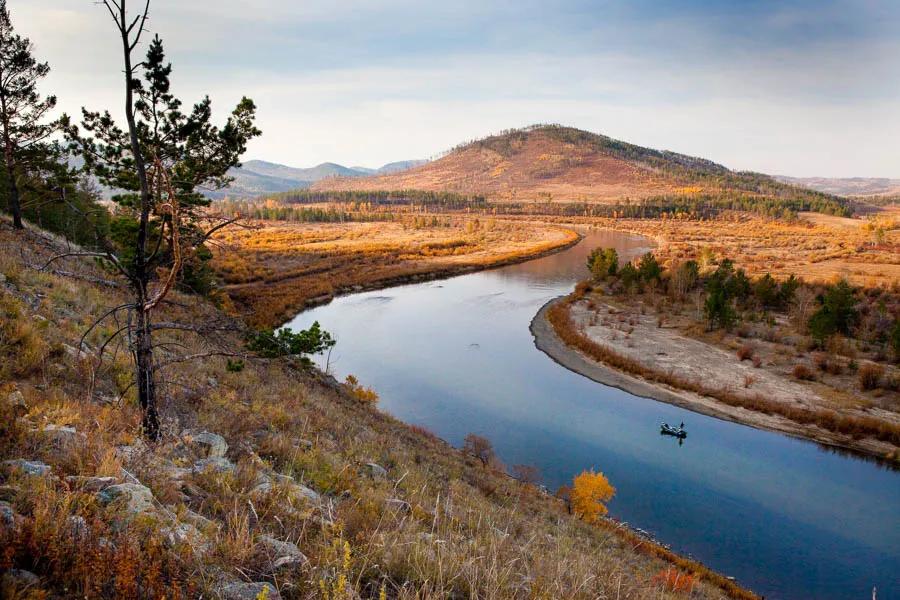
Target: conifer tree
{"points": [[23, 111]]}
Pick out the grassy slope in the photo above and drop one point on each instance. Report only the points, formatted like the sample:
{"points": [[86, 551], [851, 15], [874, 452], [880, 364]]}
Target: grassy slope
{"points": [[465, 532]]}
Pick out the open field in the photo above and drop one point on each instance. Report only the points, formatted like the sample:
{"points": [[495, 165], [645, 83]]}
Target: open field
{"points": [[816, 248], [267, 475], [275, 269]]}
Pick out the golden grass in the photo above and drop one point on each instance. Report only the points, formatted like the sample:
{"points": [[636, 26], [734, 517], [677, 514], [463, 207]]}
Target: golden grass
{"points": [[275, 269]]}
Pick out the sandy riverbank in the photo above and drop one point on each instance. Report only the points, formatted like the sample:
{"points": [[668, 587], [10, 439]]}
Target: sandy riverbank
{"points": [[547, 340]]}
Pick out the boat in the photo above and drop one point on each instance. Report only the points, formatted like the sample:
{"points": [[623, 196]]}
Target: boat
{"points": [[679, 432]]}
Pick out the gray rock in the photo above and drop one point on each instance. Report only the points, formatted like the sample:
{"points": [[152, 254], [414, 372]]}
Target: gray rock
{"points": [[200, 522], [247, 591], [219, 464], [298, 490], [90, 484], [186, 533], [282, 553], [19, 580], [134, 497], [376, 470], [28, 467], [207, 444], [2, 278], [9, 519], [17, 401]]}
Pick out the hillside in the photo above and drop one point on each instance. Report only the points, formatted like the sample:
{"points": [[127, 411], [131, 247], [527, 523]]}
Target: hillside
{"points": [[272, 480], [258, 177], [847, 186], [552, 162]]}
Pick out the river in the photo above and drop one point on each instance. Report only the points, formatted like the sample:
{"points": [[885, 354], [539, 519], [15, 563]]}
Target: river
{"points": [[785, 517]]}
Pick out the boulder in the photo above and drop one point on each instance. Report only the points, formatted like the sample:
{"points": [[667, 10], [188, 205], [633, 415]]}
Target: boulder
{"points": [[28, 467], [9, 519], [134, 497], [219, 464], [376, 470], [16, 582], [186, 533], [282, 553], [240, 590], [207, 444], [16, 401]]}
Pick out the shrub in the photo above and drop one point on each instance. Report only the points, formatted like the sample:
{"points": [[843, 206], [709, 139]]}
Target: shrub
{"points": [[603, 262], [361, 393], [673, 580], [745, 352], [590, 491], [803, 373], [870, 376], [479, 447]]}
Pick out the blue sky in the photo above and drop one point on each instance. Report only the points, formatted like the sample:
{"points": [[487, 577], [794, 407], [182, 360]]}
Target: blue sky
{"points": [[793, 87]]}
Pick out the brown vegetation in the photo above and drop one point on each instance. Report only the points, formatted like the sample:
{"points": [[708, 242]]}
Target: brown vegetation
{"points": [[830, 420], [275, 269]]}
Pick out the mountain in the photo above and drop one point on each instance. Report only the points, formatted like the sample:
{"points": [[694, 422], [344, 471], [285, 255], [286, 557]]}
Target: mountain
{"points": [[553, 162], [259, 177], [847, 186]]}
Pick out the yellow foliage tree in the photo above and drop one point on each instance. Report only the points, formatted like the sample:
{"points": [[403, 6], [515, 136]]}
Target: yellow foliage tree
{"points": [[590, 492]]}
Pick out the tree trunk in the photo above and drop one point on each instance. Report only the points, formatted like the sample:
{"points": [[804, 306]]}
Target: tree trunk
{"points": [[143, 339], [145, 375], [15, 207]]}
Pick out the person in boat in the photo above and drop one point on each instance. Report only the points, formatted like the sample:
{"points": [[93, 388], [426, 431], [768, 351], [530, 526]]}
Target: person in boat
{"points": [[681, 426]]}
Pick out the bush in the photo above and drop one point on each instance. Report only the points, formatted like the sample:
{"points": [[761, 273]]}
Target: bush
{"points": [[870, 376], [837, 313], [803, 373], [285, 342], [745, 352], [603, 262]]}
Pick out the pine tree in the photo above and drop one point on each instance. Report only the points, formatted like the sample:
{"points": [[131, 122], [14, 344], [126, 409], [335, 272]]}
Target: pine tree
{"points": [[159, 159], [23, 111]]}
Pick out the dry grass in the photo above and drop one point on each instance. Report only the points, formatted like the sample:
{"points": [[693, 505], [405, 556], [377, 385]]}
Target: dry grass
{"points": [[439, 525], [850, 425], [275, 269]]}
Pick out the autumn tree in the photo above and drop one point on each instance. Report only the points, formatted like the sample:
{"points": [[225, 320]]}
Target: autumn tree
{"points": [[479, 447], [159, 159], [589, 495], [23, 111], [603, 262]]}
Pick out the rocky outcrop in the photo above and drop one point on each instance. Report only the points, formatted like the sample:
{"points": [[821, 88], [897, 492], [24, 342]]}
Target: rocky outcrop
{"points": [[133, 497], [27, 467]]}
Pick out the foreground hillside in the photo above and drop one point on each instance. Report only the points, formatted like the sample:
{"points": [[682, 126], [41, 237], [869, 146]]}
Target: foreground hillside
{"points": [[551, 162], [271, 480]]}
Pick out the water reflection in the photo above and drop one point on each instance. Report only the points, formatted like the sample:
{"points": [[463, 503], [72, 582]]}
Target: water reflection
{"points": [[779, 514]]}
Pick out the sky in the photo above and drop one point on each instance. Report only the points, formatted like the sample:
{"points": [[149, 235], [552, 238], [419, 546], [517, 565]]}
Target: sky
{"points": [[792, 87]]}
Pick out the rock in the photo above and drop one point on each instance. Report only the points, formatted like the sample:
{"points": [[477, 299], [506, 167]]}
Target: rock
{"points": [[135, 497], [2, 278], [217, 464], [91, 484], [376, 470], [9, 519], [207, 444], [298, 490], [398, 505], [212, 382], [186, 533], [17, 402], [282, 553], [248, 591], [28, 467], [17, 581], [200, 522]]}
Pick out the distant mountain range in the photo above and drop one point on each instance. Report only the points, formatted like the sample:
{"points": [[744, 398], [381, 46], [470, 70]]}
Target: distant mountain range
{"points": [[847, 186], [258, 177]]}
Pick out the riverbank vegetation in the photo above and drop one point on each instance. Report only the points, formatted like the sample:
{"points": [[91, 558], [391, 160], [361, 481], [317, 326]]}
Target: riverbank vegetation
{"points": [[823, 355], [272, 270]]}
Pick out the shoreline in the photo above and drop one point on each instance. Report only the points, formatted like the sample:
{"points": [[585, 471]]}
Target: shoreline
{"points": [[445, 272], [547, 341]]}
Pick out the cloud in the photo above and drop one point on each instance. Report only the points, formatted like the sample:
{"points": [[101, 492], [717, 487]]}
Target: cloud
{"points": [[795, 87]]}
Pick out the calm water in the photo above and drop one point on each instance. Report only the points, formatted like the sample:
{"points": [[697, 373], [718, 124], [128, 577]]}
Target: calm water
{"points": [[783, 516]]}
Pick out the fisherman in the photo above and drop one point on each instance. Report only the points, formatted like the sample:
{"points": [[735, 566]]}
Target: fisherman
{"points": [[682, 425]]}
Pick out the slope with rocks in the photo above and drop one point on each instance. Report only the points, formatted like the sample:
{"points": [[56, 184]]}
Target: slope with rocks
{"points": [[272, 480]]}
